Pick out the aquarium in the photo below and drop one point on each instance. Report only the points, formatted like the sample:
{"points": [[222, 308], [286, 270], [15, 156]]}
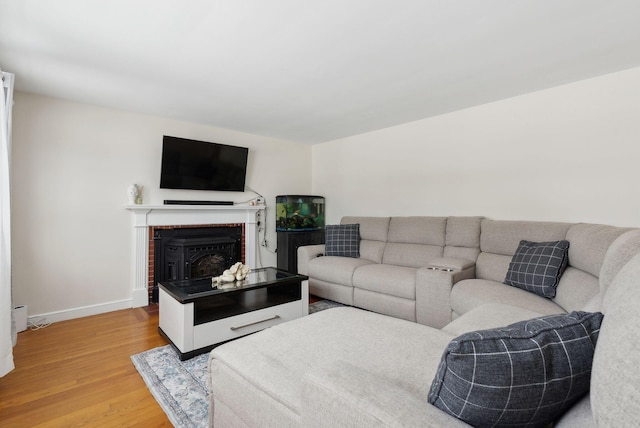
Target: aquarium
{"points": [[299, 212]]}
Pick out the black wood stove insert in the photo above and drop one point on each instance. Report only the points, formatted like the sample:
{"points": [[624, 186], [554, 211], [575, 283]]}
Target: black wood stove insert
{"points": [[189, 253]]}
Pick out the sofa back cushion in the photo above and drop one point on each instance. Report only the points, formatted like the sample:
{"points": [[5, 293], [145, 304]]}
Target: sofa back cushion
{"points": [[499, 240], [373, 235], [463, 238], [623, 249], [615, 376], [414, 241], [589, 244], [576, 289], [618, 254]]}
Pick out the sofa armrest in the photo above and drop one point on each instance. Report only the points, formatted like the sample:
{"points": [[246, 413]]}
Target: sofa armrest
{"points": [[342, 394], [433, 289], [306, 253]]}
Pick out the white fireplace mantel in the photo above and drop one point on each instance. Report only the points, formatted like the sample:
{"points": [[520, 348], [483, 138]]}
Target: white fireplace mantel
{"points": [[180, 215]]}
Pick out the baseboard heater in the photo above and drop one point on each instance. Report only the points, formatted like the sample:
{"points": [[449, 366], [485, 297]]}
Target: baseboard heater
{"points": [[181, 202]]}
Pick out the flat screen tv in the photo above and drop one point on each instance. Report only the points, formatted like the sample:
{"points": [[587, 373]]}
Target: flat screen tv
{"points": [[199, 165]]}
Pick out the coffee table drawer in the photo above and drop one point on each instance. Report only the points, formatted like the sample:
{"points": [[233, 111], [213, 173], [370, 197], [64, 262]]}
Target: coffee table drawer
{"points": [[241, 325]]}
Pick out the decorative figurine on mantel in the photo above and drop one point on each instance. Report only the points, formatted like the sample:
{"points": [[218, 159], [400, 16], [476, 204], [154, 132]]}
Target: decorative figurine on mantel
{"points": [[133, 191], [228, 279]]}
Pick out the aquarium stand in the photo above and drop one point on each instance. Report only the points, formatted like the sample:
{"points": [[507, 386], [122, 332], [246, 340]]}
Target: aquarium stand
{"points": [[288, 243]]}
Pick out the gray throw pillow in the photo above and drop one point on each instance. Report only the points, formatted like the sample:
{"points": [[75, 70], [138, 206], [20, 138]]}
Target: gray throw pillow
{"points": [[342, 240], [526, 374], [538, 266]]}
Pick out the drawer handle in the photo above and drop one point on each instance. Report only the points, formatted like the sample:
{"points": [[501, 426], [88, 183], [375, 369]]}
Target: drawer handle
{"points": [[275, 317]]}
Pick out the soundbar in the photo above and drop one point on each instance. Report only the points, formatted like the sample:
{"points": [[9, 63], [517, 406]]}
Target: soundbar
{"points": [[180, 202]]}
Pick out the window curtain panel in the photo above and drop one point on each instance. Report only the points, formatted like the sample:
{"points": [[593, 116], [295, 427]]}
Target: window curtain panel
{"points": [[7, 323]]}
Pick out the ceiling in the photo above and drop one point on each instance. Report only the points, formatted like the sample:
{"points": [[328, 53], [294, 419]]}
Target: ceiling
{"points": [[310, 71]]}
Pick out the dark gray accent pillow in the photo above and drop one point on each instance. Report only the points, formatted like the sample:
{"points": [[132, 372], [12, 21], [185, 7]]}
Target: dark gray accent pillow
{"points": [[538, 266], [526, 374], [342, 240]]}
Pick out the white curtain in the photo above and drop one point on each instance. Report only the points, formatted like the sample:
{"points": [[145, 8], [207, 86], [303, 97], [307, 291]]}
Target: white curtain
{"points": [[7, 323]]}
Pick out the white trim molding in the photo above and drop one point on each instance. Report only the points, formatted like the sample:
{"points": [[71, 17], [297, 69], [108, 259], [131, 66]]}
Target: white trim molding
{"points": [[180, 215], [83, 311]]}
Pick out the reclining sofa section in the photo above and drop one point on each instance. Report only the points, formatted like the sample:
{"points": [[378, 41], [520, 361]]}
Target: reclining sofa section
{"points": [[431, 270]]}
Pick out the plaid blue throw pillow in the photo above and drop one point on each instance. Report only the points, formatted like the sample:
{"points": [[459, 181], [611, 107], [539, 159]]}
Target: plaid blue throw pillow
{"points": [[526, 374], [342, 240], [538, 266]]}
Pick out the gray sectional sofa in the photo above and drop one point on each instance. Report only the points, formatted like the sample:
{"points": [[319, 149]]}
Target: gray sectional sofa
{"points": [[433, 269], [423, 281]]}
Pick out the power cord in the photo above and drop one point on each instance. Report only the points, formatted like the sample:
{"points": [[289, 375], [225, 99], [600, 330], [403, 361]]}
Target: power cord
{"points": [[39, 323], [262, 225]]}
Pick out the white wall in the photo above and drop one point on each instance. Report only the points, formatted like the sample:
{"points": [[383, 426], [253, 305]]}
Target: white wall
{"points": [[566, 154], [72, 237], [571, 153]]}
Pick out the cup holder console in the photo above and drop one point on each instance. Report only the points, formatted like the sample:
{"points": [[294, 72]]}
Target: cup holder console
{"points": [[440, 268]]}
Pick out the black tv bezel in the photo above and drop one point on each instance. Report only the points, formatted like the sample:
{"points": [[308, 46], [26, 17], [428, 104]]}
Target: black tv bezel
{"points": [[165, 184]]}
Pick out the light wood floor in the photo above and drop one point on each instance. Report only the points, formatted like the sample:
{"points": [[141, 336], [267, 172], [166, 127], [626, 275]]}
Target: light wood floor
{"points": [[78, 373]]}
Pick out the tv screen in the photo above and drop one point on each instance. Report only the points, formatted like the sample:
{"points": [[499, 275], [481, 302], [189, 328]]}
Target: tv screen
{"points": [[199, 165]]}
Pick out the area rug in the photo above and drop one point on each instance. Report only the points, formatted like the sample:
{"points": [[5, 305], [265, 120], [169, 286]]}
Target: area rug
{"points": [[180, 387]]}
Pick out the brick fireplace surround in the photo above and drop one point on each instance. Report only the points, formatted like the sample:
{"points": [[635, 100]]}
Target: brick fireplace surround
{"points": [[148, 217]]}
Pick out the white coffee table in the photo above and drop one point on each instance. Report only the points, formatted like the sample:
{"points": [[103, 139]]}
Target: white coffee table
{"points": [[195, 317]]}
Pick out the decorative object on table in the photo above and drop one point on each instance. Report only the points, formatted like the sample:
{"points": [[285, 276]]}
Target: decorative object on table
{"points": [[228, 279], [134, 194]]}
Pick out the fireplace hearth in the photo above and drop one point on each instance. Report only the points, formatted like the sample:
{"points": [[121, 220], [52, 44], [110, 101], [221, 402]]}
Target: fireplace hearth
{"points": [[188, 253]]}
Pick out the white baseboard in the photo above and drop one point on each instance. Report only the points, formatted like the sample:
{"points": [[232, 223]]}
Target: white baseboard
{"points": [[85, 311]]}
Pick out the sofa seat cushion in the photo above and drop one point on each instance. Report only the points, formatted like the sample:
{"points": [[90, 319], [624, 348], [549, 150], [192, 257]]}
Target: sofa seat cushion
{"points": [[489, 315], [471, 293], [398, 281], [273, 362], [344, 395], [338, 270]]}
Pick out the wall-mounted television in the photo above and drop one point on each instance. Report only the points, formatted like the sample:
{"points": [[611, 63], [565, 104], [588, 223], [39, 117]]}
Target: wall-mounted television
{"points": [[199, 165]]}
